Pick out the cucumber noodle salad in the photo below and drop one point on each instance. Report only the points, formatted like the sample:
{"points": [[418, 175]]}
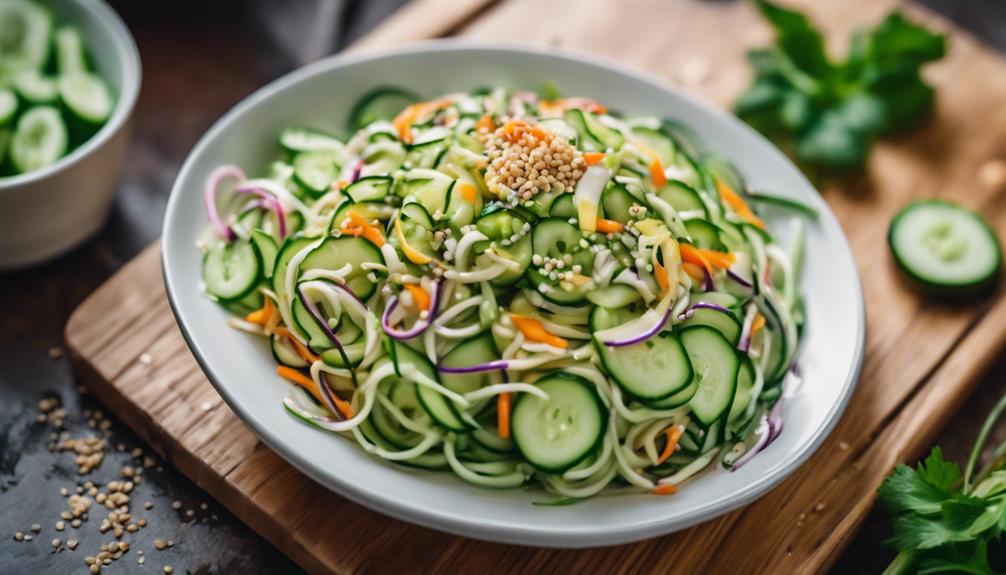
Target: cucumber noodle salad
{"points": [[523, 291]]}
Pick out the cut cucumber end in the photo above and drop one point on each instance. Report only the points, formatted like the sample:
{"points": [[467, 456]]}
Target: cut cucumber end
{"points": [[945, 248], [86, 97], [40, 139]]}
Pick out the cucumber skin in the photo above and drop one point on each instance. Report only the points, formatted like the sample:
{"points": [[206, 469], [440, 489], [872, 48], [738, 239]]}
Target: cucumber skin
{"points": [[982, 286], [587, 452]]}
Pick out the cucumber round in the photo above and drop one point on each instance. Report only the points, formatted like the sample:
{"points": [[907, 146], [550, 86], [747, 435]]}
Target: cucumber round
{"points": [[382, 103], [651, 370], [334, 253], [24, 36], [297, 139], [439, 407], [231, 270], [86, 97], [315, 171], [8, 107], [557, 238], [34, 88], [39, 140], [70, 54], [945, 247], [555, 434], [724, 322], [716, 365]]}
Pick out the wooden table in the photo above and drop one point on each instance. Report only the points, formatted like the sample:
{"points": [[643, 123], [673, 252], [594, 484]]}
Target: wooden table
{"points": [[169, 121]]}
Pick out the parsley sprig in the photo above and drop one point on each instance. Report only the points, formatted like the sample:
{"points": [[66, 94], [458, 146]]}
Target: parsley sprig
{"points": [[944, 519], [827, 112]]}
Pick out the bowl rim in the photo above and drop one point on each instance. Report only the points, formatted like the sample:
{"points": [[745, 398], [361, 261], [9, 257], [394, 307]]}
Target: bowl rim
{"points": [[472, 527], [132, 74]]}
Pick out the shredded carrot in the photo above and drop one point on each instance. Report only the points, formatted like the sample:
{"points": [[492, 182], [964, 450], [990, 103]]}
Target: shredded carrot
{"points": [[694, 271], [551, 107], [665, 489], [300, 379], [342, 184], [468, 192], [305, 353], [608, 226], [307, 383], [485, 124], [737, 203], [718, 259], [673, 435], [503, 415], [261, 316], [592, 158], [404, 120], [535, 331], [515, 130], [358, 226], [757, 324], [693, 255], [661, 275], [656, 166], [419, 296], [587, 104]]}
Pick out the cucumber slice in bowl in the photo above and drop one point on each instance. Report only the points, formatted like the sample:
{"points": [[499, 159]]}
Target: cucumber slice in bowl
{"points": [[379, 104], [231, 271], [24, 36], [715, 363], [650, 370], [555, 434], [86, 97], [39, 140], [8, 107], [944, 247]]}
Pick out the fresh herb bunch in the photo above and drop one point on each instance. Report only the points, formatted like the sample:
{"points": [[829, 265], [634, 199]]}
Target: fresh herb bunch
{"points": [[828, 113], [944, 520]]}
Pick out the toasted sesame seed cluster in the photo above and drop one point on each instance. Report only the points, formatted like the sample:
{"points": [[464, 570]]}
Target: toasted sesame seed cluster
{"points": [[524, 160]]}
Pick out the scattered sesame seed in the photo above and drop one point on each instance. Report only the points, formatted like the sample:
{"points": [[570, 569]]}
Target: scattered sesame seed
{"points": [[169, 569], [19, 536], [55, 353], [71, 544], [176, 504], [35, 527]]}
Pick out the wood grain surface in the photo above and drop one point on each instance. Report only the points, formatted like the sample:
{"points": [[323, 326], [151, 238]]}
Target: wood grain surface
{"points": [[922, 358]]}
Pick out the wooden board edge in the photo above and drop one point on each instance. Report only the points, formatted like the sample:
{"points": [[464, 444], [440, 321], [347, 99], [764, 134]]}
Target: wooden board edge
{"points": [[422, 20]]}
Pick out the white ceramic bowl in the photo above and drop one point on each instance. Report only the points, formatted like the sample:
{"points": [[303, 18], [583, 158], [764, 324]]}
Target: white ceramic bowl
{"points": [[242, 369], [46, 212]]}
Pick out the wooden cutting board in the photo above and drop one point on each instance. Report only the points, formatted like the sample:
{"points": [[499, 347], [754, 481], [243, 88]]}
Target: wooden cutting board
{"points": [[922, 358]]}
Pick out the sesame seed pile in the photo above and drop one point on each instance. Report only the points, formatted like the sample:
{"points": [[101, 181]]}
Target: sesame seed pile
{"points": [[525, 160]]}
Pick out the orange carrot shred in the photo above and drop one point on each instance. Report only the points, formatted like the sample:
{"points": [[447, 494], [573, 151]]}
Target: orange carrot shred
{"points": [[691, 254], [661, 274], [757, 324], [261, 316], [358, 226], [592, 158], [485, 124], [306, 354], [736, 202], [300, 379], [665, 489], [608, 226], [343, 406], [468, 192], [419, 296], [503, 415], [673, 435], [694, 271], [535, 331]]}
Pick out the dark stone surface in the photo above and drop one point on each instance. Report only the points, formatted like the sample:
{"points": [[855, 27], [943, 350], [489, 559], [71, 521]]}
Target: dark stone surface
{"points": [[199, 59]]}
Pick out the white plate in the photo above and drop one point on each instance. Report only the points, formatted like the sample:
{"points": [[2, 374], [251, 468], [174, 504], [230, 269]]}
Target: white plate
{"points": [[242, 369]]}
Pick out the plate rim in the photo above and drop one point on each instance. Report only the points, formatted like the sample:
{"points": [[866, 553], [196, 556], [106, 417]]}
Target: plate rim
{"points": [[472, 527]]}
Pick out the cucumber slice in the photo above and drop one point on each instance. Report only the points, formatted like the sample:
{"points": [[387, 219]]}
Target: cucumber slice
{"points": [[563, 207], [297, 139], [616, 201], [369, 189], [385, 424], [426, 154], [8, 108], [557, 238], [651, 370], [382, 103], [354, 353], [34, 88], [475, 350], [442, 410], [285, 354], [658, 142], [417, 214], [594, 136], [291, 247], [945, 247], [367, 210], [40, 139], [334, 253], [716, 365], [231, 270], [428, 187], [725, 323], [614, 296], [315, 171], [745, 385], [725, 171], [266, 248], [682, 197], [705, 235], [555, 434], [24, 36], [500, 225], [70, 54], [86, 97]]}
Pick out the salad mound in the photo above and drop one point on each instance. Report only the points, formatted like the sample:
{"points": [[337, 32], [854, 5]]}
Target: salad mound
{"points": [[516, 289]]}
